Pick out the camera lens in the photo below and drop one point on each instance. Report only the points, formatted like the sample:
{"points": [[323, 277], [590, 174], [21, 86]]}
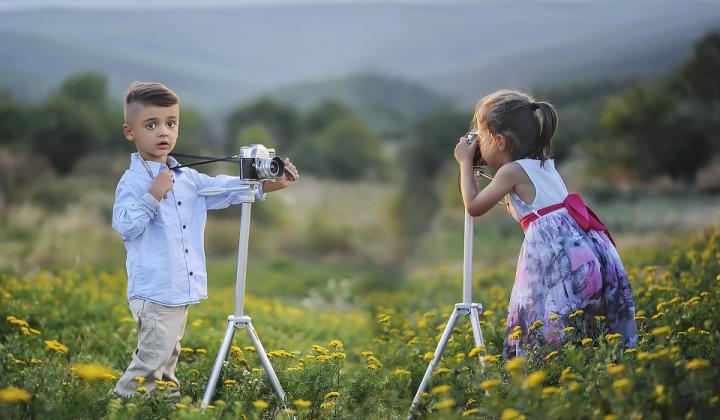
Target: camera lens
{"points": [[270, 168]]}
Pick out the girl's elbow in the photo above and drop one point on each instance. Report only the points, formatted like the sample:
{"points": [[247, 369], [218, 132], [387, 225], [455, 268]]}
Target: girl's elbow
{"points": [[475, 211]]}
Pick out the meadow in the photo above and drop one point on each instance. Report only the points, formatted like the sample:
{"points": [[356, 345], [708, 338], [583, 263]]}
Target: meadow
{"points": [[349, 335]]}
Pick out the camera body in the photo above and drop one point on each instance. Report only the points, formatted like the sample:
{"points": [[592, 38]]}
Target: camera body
{"points": [[258, 163], [478, 159]]}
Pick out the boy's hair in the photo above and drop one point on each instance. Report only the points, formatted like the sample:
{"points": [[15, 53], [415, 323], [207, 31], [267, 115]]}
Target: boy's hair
{"points": [[527, 124], [147, 93]]}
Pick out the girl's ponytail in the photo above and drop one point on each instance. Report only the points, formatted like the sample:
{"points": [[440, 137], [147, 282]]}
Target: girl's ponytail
{"points": [[547, 121]]}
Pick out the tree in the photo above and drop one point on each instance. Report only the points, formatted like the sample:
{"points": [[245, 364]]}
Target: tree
{"points": [[346, 149], [65, 131], [280, 120]]}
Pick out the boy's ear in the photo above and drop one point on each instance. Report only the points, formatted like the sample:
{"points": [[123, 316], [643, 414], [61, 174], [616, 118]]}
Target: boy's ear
{"points": [[128, 133]]}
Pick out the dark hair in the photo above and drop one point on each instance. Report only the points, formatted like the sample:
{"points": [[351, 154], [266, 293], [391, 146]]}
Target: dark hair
{"points": [[528, 125], [149, 93]]}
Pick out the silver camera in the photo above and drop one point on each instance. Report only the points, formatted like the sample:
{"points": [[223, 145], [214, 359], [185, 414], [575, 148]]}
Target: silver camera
{"points": [[258, 163]]}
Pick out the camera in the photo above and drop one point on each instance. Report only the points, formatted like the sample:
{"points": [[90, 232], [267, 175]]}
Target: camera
{"points": [[258, 163], [477, 160]]}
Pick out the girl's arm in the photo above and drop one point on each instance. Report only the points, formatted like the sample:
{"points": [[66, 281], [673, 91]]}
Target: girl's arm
{"points": [[478, 202]]}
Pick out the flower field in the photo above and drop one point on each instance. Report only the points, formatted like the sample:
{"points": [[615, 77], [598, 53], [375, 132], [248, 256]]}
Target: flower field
{"points": [[65, 337]]}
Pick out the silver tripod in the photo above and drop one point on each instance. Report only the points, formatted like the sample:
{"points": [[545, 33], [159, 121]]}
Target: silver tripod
{"points": [[238, 320], [467, 307]]}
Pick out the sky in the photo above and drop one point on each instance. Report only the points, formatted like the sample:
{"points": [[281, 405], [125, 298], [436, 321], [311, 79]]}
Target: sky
{"points": [[130, 4]]}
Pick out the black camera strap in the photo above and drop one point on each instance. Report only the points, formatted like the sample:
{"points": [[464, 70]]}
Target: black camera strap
{"points": [[206, 159]]}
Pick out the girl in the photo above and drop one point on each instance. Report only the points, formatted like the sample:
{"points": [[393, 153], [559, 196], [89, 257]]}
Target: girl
{"points": [[568, 272]]}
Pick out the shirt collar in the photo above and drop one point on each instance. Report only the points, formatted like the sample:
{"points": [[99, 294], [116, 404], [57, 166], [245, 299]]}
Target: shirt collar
{"points": [[137, 165]]}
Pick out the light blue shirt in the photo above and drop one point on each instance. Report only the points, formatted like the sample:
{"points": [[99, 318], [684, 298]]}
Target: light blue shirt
{"points": [[165, 240]]}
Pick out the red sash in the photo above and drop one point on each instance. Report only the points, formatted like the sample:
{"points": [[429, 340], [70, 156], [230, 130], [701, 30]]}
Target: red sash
{"points": [[577, 209]]}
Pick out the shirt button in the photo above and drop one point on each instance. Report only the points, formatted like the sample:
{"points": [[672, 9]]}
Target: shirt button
{"points": [[186, 251], [179, 203], [191, 273], [184, 226]]}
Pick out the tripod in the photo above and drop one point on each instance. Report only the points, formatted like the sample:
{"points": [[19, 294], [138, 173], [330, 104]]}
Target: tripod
{"points": [[467, 307], [238, 320]]}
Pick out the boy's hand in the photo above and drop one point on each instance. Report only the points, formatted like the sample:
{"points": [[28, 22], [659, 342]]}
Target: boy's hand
{"points": [[162, 183], [464, 152], [291, 175]]}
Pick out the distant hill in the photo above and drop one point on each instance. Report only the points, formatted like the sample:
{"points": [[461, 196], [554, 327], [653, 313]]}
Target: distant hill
{"points": [[386, 103], [222, 56]]}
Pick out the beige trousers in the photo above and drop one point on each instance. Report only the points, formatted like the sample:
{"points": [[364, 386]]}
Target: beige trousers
{"points": [[159, 330]]}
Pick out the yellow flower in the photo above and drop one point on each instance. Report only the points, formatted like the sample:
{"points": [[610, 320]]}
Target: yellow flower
{"points": [[442, 371], [576, 313], [141, 389], [401, 372], [336, 344], [568, 329], [511, 414], [93, 372], [550, 390], [366, 354], [615, 370], [55, 346], [470, 412], [554, 317], [383, 318], [332, 394], [491, 359], [599, 318], [664, 330], [567, 375], [476, 350], [320, 349], [201, 351], [515, 365], [613, 337], [140, 379], [586, 341], [535, 325], [622, 384], [697, 364], [186, 349], [327, 405], [302, 403], [488, 314], [230, 381], [260, 404], [13, 395], [445, 404], [441, 389], [551, 356], [250, 348], [534, 379], [489, 384], [428, 356]]}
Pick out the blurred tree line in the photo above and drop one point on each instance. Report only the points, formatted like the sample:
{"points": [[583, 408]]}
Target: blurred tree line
{"points": [[668, 127]]}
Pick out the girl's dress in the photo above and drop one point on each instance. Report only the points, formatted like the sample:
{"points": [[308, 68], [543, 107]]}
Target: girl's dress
{"points": [[563, 268]]}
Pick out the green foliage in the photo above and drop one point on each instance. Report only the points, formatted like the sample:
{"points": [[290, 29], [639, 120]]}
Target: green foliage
{"points": [[344, 364], [65, 131], [280, 120], [346, 149], [669, 127]]}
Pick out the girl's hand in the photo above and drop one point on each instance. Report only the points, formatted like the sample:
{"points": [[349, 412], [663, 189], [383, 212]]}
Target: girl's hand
{"points": [[291, 174], [464, 152]]}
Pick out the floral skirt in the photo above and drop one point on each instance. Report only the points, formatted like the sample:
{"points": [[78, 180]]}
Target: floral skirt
{"points": [[563, 269]]}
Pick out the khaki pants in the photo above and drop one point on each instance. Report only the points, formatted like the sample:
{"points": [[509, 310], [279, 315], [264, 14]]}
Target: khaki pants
{"points": [[159, 329]]}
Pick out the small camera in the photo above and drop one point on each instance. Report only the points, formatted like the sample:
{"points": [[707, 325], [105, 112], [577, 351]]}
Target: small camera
{"points": [[477, 160], [258, 163]]}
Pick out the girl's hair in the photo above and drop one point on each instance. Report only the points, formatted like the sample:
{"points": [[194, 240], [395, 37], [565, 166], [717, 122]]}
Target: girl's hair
{"points": [[527, 124]]}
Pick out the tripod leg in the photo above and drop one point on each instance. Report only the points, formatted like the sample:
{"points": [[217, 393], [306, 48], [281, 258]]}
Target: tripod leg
{"points": [[436, 358], [477, 332], [266, 362], [215, 374]]}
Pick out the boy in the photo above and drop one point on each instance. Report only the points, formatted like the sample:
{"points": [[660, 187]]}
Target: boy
{"points": [[161, 219]]}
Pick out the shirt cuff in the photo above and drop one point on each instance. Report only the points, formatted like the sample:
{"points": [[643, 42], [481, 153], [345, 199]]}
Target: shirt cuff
{"points": [[149, 204]]}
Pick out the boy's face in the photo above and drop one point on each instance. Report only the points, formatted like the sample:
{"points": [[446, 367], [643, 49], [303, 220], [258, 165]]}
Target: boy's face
{"points": [[154, 130]]}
